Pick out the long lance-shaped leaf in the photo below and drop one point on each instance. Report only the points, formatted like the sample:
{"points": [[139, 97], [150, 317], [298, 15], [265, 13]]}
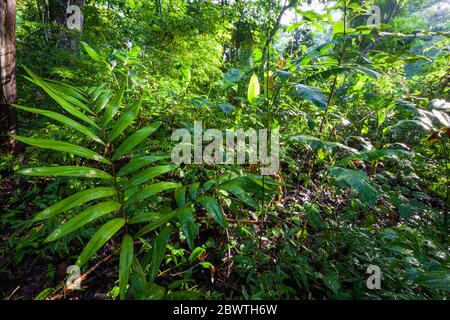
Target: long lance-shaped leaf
{"points": [[126, 258], [75, 200], [164, 219], [151, 190], [91, 52], [113, 106], [102, 101], [159, 248], [65, 120], [99, 239], [136, 138], [66, 171], [95, 94], [62, 93], [125, 120], [138, 163], [83, 218], [68, 89], [63, 147], [61, 101], [148, 174], [213, 209]]}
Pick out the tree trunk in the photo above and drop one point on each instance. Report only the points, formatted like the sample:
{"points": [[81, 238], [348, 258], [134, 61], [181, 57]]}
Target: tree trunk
{"points": [[8, 116], [57, 13]]}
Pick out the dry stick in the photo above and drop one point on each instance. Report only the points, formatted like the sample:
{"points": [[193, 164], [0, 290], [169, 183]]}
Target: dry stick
{"points": [[82, 277]]}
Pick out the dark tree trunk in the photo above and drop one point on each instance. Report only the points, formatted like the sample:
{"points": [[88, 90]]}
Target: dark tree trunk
{"points": [[57, 13], [8, 116]]}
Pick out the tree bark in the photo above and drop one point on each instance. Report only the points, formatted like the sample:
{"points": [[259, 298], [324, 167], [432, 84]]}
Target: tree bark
{"points": [[57, 13], [8, 115]]}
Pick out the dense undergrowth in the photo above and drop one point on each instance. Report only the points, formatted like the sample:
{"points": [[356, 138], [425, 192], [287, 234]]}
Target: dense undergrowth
{"points": [[364, 178]]}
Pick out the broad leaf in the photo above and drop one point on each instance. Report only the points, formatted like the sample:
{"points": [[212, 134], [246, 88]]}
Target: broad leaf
{"points": [[240, 194], [358, 181], [253, 89], [188, 226], [213, 209], [313, 95]]}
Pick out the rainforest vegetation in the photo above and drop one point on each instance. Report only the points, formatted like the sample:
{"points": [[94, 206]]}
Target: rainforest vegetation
{"points": [[92, 205]]}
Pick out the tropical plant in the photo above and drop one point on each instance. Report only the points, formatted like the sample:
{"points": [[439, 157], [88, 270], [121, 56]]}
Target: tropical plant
{"points": [[122, 177]]}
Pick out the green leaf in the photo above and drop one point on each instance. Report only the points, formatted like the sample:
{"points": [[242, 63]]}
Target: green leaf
{"points": [[66, 171], [240, 194], [125, 120], [316, 143], [180, 196], [99, 239], [144, 216], [253, 89], [151, 190], [356, 180], [65, 120], [102, 101], [313, 95], [438, 280], [60, 98], [193, 190], [113, 106], [69, 90], [63, 147], [83, 218], [91, 52], [44, 294], [136, 138], [74, 201], [126, 258], [196, 253], [148, 174], [214, 210], [164, 219], [188, 226], [61, 93], [159, 248], [138, 163]]}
